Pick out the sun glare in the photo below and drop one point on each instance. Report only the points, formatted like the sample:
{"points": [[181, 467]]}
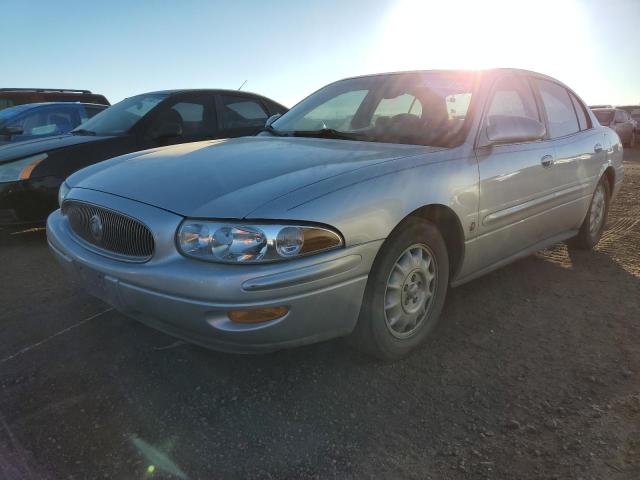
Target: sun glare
{"points": [[550, 38]]}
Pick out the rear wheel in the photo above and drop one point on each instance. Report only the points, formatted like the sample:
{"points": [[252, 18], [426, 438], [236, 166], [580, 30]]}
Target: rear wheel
{"points": [[596, 219], [405, 293]]}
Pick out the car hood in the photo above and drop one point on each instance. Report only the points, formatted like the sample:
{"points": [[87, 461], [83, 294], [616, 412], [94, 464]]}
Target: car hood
{"points": [[17, 150], [231, 178]]}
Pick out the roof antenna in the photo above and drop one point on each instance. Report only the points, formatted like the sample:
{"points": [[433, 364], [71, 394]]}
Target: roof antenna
{"points": [[243, 84]]}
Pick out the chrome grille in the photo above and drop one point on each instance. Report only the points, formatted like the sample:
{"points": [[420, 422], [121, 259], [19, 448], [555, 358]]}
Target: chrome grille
{"points": [[109, 231]]}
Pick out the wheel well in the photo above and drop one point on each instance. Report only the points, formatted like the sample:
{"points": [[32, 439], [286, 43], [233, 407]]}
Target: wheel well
{"points": [[450, 228], [610, 175]]}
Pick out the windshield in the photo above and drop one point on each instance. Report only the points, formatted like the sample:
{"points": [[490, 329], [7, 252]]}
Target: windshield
{"points": [[426, 108], [604, 116], [119, 118]]}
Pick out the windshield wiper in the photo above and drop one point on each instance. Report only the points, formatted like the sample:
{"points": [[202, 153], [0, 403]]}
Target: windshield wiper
{"points": [[332, 133], [82, 131]]}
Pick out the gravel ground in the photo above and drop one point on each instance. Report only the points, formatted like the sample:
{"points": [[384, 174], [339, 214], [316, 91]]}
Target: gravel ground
{"points": [[534, 372]]}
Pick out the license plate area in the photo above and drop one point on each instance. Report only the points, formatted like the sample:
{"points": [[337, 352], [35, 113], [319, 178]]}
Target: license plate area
{"points": [[94, 283]]}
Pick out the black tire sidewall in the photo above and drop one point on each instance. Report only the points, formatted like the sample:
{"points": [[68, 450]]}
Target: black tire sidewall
{"points": [[372, 323], [585, 239]]}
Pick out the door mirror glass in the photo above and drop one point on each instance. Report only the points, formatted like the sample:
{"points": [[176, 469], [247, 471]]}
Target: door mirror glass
{"points": [[513, 129], [167, 130], [271, 119]]}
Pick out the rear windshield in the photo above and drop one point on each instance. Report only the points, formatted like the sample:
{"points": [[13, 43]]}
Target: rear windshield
{"points": [[604, 116]]}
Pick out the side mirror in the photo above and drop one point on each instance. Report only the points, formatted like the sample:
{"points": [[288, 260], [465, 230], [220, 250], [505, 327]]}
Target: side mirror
{"points": [[513, 129], [167, 130], [11, 130], [271, 119]]}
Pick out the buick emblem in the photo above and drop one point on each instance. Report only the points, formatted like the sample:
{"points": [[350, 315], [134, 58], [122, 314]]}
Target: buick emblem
{"points": [[96, 228]]}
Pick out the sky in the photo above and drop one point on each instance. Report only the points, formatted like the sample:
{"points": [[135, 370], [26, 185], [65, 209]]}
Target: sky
{"points": [[287, 49]]}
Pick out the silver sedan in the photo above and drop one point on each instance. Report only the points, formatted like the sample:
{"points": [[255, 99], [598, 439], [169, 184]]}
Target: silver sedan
{"points": [[351, 215]]}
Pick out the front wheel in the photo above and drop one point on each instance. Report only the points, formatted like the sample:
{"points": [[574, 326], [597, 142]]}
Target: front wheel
{"points": [[596, 219], [405, 292]]}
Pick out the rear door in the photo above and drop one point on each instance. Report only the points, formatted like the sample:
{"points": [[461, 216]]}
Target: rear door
{"points": [[579, 155], [240, 115]]}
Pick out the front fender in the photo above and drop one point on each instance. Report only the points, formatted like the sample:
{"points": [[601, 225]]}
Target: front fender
{"points": [[367, 207]]}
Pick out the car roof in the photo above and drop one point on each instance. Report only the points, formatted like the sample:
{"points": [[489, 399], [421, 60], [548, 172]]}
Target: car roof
{"points": [[203, 90], [46, 90], [27, 106], [604, 109], [487, 71]]}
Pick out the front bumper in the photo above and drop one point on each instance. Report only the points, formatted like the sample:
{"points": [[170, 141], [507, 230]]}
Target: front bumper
{"points": [[190, 299], [28, 201]]}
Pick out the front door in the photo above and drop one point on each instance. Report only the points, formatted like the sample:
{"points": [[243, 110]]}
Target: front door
{"points": [[516, 179], [194, 114]]}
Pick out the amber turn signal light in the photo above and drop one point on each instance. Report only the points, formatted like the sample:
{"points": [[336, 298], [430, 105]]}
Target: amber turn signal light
{"points": [[257, 315]]}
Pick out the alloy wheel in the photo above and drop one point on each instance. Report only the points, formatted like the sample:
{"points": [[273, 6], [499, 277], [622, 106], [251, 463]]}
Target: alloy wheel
{"points": [[409, 291]]}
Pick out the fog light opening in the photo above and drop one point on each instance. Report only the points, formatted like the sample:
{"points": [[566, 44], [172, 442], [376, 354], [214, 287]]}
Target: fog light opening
{"points": [[257, 315]]}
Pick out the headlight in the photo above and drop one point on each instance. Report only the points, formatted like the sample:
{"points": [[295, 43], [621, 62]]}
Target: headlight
{"points": [[21, 169], [62, 193], [246, 242]]}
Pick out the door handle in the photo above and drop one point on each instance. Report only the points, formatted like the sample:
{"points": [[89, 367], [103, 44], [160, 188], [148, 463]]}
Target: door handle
{"points": [[546, 161], [597, 148]]}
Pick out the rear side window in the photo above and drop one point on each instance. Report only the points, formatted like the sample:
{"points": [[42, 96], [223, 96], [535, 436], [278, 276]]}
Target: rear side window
{"points": [[512, 96], [242, 112], [275, 108], [561, 115], [91, 111], [583, 119], [49, 122]]}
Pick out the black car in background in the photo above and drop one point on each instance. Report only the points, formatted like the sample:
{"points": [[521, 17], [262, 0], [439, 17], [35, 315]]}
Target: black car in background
{"points": [[31, 172], [38, 120], [10, 97]]}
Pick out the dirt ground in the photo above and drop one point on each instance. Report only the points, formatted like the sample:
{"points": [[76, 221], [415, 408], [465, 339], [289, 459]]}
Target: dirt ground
{"points": [[533, 373]]}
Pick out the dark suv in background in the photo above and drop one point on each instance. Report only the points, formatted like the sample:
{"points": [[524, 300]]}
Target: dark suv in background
{"points": [[31, 172], [10, 97], [38, 120]]}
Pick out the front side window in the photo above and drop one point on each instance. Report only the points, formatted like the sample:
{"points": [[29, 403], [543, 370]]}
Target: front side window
{"points": [[512, 96], [242, 112], [194, 117], [422, 108], [561, 115], [121, 117]]}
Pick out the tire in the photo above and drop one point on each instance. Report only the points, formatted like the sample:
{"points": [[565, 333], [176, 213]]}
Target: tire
{"points": [[417, 247], [590, 233]]}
